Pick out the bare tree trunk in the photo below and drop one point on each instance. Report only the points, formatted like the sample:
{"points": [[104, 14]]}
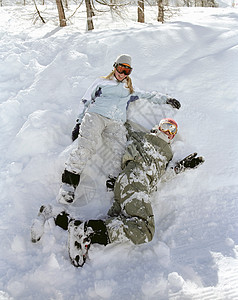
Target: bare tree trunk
{"points": [[60, 8], [90, 14], [141, 11], [91, 8], [212, 3], [66, 4], [160, 11], [187, 3], [195, 4], [37, 10]]}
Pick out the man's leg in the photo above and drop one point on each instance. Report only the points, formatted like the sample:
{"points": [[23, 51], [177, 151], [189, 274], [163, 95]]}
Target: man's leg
{"points": [[82, 235], [131, 214]]}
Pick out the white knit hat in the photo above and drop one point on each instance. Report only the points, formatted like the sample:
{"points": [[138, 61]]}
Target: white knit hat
{"points": [[123, 59]]}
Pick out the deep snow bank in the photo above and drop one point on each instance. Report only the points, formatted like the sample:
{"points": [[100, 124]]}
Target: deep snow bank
{"points": [[44, 72]]}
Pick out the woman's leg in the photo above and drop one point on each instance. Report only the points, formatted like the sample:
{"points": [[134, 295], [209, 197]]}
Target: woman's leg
{"points": [[115, 138], [90, 132]]}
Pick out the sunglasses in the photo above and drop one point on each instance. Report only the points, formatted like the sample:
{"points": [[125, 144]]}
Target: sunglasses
{"points": [[123, 69]]}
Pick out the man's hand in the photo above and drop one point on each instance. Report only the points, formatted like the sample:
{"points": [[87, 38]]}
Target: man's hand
{"points": [[110, 183], [189, 162], [174, 103]]}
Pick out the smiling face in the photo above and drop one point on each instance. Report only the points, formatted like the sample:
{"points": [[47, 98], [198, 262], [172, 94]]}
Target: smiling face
{"points": [[119, 76], [121, 71]]}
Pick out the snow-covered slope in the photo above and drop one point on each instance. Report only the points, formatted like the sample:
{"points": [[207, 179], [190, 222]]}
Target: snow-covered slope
{"points": [[44, 71]]}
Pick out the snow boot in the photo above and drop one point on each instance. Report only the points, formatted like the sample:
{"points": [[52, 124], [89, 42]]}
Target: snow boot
{"points": [[70, 182], [81, 236], [37, 228], [66, 194], [78, 242]]}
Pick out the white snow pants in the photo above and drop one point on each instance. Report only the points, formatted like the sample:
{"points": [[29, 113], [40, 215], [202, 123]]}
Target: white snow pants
{"points": [[93, 128]]}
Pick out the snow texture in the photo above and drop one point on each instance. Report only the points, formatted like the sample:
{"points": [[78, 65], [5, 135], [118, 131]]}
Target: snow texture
{"points": [[44, 71]]}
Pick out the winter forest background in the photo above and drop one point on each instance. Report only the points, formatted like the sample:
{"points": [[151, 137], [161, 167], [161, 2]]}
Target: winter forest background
{"points": [[116, 6], [191, 54]]}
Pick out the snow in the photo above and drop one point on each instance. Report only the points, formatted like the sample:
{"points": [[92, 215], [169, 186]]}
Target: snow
{"points": [[44, 71]]}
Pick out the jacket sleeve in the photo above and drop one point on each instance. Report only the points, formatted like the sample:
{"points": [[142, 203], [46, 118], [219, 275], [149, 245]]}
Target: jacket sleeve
{"points": [[130, 154], [87, 98], [83, 111], [154, 97]]}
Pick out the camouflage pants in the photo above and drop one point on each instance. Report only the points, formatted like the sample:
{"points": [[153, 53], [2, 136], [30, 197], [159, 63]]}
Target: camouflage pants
{"points": [[131, 216]]}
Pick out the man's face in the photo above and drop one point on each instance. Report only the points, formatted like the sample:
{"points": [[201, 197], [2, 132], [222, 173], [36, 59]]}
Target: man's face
{"points": [[169, 135]]}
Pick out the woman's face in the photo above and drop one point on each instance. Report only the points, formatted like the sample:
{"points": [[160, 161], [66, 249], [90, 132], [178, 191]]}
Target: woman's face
{"points": [[119, 76]]}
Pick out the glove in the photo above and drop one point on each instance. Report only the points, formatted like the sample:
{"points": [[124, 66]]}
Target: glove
{"points": [[174, 103], [189, 162], [110, 183], [75, 132]]}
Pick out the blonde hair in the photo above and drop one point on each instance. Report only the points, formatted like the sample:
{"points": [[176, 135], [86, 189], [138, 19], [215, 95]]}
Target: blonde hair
{"points": [[128, 81]]}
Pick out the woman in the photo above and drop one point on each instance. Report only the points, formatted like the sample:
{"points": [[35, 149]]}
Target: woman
{"points": [[105, 112]]}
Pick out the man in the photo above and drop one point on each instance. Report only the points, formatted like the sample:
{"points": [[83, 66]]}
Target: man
{"points": [[131, 216]]}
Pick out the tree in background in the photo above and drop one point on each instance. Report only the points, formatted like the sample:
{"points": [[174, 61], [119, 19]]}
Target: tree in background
{"points": [[38, 12], [107, 5], [165, 8], [90, 15], [141, 11], [187, 3], [60, 8], [203, 3], [66, 4], [160, 17]]}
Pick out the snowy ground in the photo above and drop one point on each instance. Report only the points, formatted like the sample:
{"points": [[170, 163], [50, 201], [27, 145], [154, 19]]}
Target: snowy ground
{"points": [[44, 71]]}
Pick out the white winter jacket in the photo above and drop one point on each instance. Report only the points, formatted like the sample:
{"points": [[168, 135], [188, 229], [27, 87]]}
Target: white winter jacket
{"points": [[111, 98]]}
